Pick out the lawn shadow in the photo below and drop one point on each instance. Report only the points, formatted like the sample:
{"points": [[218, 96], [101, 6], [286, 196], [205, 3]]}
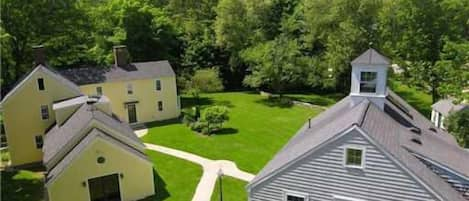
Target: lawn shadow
{"points": [[189, 102], [161, 193], [283, 102], [225, 103], [226, 131], [21, 186], [163, 123]]}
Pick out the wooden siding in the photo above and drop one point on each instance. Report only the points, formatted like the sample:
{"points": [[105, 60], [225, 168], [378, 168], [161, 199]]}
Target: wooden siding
{"points": [[322, 175]]}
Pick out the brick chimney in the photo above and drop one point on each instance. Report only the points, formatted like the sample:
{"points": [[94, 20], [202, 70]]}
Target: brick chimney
{"points": [[39, 55], [121, 56]]}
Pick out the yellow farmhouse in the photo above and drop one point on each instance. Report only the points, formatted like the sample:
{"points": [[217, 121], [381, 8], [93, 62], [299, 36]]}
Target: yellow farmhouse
{"points": [[82, 134], [139, 92]]}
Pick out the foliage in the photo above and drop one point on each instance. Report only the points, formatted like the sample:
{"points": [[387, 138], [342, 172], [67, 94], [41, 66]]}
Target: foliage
{"points": [[277, 65], [206, 81], [458, 125], [415, 34], [22, 185], [275, 44], [215, 115], [212, 119]]}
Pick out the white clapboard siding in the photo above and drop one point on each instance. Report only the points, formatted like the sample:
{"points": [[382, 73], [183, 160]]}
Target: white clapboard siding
{"points": [[322, 175]]}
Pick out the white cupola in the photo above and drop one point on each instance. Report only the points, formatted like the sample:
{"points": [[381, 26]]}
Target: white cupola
{"points": [[369, 75]]}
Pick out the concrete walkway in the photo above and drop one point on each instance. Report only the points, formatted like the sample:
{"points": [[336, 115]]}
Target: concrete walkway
{"points": [[211, 169]]}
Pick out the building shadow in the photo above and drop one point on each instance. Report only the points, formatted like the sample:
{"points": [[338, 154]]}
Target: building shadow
{"points": [[22, 186], [161, 193], [283, 102]]}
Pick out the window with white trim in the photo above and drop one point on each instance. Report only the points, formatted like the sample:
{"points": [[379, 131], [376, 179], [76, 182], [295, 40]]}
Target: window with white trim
{"points": [[354, 157], [295, 196], [44, 112], [39, 141], [130, 89], [160, 105], [40, 84], [158, 85], [99, 90], [368, 82]]}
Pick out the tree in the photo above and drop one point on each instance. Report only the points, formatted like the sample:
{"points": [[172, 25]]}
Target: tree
{"points": [[458, 125], [61, 26], [276, 65], [414, 33], [206, 80], [215, 116], [453, 70]]}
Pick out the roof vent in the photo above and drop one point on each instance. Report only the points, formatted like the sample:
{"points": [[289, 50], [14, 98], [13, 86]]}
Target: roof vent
{"points": [[432, 129], [416, 140], [416, 130]]}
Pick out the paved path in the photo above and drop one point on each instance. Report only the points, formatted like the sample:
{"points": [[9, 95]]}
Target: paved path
{"points": [[211, 169], [141, 132]]}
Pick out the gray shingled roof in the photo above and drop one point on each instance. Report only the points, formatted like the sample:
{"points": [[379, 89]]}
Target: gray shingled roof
{"points": [[61, 139], [135, 71], [81, 146], [371, 56], [390, 129], [445, 106]]}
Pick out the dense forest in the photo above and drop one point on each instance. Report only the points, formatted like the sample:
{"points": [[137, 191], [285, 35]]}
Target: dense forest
{"points": [[275, 45]]}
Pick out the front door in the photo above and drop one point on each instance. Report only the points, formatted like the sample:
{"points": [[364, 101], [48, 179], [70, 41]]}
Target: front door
{"points": [[132, 113], [104, 188]]}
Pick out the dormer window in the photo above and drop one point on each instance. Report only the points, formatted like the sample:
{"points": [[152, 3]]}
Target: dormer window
{"points": [[354, 157], [368, 82], [40, 84]]}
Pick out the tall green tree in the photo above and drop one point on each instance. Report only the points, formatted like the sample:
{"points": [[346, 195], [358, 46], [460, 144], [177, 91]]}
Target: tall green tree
{"points": [[414, 33], [458, 125], [276, 65], [61, 26]]}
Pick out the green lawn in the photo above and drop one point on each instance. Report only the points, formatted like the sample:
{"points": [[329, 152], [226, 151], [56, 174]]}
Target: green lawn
{"points": [[257, 129], [22, 186], [175, 179], [415, 97], [233, 190]]}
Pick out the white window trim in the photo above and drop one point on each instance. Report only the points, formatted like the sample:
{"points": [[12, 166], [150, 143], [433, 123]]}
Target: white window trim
{"points": [[43, 84], [294, 193], [161, 88], [362, 148], [341, 198], [40, 113], [360, 80], [131, 87], [97, 91], [35, 142]]}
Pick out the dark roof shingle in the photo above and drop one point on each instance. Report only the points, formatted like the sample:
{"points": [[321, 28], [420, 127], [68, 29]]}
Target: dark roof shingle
{"points": [[135, 71]]}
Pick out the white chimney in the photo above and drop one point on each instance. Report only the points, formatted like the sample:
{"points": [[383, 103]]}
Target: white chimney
{"points": [[369, 76]]}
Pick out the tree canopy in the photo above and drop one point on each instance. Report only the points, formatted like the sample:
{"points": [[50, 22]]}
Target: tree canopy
{"points": [[268, 44]]}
